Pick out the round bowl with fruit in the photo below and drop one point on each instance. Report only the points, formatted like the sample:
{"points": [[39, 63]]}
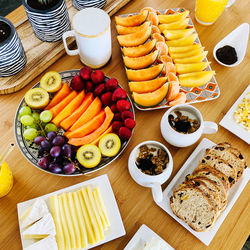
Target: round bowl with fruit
{"points": [[74, 122]]}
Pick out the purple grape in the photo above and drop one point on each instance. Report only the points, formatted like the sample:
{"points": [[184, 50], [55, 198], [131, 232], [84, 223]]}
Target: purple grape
{"points": [[55, 151], [58, 140], [58, 160], [55, 168], [51, 135], [67, 150], [69, 168], [40, 152], [39, 139], [46, 145], [43, 163]]}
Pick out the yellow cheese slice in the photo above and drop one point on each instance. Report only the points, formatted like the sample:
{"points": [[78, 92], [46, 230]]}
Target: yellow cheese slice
{"points": [[25, 213], [81, 207], [95, 211], [76, 226], [54, 207], [91, 215], [64, 223]]}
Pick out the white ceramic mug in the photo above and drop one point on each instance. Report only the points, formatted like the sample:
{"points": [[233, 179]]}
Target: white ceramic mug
{"points": [[152, 181], [183, 140], [91, 29]]}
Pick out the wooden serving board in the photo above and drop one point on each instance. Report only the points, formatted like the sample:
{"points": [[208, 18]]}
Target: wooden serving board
{"points": [[40, 55]]}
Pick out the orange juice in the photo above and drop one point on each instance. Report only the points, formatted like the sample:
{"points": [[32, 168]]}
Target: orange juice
{"points": [[207, 11], [6, 180]]}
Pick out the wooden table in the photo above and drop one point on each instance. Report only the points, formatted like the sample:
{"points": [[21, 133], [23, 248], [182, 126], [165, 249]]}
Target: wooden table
{"points": [[135, 202]]}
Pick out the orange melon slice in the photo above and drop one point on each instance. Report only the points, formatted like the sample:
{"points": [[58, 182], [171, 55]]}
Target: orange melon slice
{"points": [[108, 130], [121, 30]]}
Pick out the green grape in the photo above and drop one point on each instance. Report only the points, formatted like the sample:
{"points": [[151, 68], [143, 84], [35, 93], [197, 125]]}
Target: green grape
{"points": [[36, 116], [46, 116], [30, 134], [34, 125], [50, 127], [27, 120], [25, 110]]}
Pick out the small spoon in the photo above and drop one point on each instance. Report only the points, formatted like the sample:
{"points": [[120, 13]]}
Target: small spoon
{"points": [[237, 39]]}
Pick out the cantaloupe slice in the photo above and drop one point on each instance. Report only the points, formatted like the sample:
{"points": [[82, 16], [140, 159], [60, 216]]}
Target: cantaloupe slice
{"points": [[136, 38], [131, 21], [122, 30], [173, 17], [188, 40], [177, 34], [182, 24], [192, 59], [142, 61], [144, 74], [147, 86], [192, 67], [151, 99], [183, 49], [195, 79], [140, 50], [193, 52]]}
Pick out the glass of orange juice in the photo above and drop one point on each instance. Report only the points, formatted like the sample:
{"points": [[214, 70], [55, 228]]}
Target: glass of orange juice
{"points": [[208, 11]]}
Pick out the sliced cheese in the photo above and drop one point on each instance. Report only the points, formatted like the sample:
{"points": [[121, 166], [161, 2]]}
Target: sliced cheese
{"points": [[34, 213], [54, 206], [41, 229], [49, 243]]}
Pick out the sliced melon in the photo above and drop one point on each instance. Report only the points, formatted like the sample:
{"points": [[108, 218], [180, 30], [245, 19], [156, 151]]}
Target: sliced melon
{"points": [[182, 24], [151, 99], [183, 49], [136, 38], [193, 52], [192, 67], [122, 30], [177, 34], [131, 21], [144, 74], [196, 79], [192, 59], [142, 61], [174, 17], [147, 86], [140, 50], [188, 40]]}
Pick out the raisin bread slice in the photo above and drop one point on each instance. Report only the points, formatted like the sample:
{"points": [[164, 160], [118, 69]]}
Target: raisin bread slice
{"points": [[220, 165], [225, 153], [192, 206]]}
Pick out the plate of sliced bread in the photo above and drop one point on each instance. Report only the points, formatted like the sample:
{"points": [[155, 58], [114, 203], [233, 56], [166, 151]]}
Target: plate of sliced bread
{"points": [[206, 187]]}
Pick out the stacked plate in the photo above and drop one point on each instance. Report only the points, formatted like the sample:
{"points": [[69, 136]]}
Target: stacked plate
{"points": [[81, 4]]}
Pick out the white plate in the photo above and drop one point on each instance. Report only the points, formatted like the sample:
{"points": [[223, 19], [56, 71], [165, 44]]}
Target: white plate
{"points": [[187, 168], [230, 124], [116, 229], [143, 235]]}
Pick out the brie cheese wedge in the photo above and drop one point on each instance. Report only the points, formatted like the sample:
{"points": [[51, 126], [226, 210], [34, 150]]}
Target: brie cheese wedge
{"points": [[41, 229], [49, 243]]}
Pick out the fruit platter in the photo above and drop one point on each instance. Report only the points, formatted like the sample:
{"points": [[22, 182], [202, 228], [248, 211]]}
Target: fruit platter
{"points": [[74, 122], [164, 60]]}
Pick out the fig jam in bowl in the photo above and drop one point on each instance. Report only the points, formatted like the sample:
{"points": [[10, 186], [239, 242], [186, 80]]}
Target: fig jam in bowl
{"points": [[183, 125]]}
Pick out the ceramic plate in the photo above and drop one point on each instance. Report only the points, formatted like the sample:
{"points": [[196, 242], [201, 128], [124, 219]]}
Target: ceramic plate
{"points": [[30, 149], [116, 229], [207, 92], [230, 124], [142, 236], [187, 168]]}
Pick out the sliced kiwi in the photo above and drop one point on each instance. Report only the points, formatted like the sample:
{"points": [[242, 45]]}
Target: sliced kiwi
{"points": [[37, 98], [89, 155], [51, 81], [110, 144]]}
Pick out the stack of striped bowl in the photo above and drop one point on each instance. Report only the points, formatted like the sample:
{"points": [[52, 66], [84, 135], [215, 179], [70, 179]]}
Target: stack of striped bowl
{"points": [[81, 4]]}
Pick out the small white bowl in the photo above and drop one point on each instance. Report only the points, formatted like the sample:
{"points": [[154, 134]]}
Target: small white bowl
{"points": [[145, 180], [238, 39]]}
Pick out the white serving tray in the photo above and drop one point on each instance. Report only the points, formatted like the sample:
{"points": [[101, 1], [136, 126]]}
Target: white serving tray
{"points": [[143, 235], [230, 124], [116, 229], [187, 168]]}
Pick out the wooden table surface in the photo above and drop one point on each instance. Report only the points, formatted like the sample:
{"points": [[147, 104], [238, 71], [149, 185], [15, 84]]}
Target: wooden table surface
{"points": [[135, 202]]}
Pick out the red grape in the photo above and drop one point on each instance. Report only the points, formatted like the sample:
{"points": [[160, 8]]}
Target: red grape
{"points": [[55, 151], [67, 150], [58, 140], [46, 145], [69, 168], [51, 135], [43, 162], [39, 139]]}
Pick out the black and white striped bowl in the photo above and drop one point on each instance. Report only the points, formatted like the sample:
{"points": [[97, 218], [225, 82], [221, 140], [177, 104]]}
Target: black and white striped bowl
{"points": [[12, 55], [50, 24], [82, 4]]}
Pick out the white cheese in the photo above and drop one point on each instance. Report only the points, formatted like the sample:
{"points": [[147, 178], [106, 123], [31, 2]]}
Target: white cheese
{"points": [[49, 243], [155, 244]]}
